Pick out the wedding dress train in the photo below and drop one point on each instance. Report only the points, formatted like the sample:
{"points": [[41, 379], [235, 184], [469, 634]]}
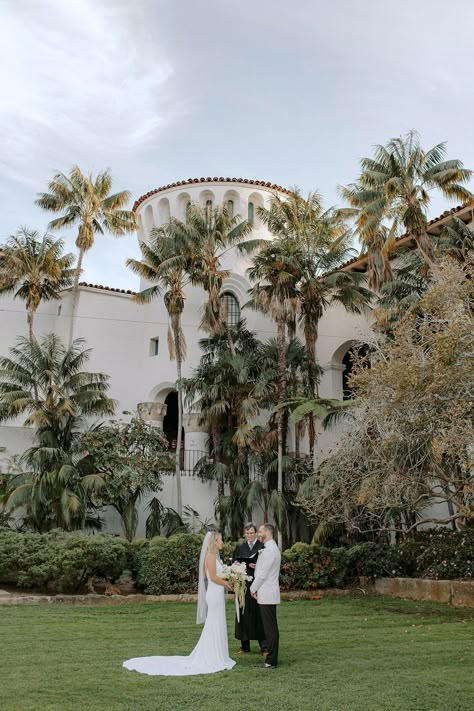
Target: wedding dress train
{"points": [[211, 654]]}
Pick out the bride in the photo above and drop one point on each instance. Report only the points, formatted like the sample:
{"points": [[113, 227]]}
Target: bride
{"points": [[211, 654]]}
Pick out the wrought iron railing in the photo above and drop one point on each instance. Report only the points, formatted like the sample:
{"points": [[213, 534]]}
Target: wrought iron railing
{"points": [[190, 459]]}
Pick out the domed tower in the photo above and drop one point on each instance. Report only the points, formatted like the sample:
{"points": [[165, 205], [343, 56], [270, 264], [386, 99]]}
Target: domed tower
{"points": [[243, 198]]}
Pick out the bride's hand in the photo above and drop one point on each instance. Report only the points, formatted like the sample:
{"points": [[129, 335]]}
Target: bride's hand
{"points": [[228, 585]]}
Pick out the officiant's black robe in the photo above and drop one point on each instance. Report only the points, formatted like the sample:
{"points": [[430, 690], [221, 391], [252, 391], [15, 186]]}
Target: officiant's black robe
{"points": [[250, 625]]}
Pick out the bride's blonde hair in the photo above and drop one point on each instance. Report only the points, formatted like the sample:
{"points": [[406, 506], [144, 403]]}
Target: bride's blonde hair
{"points": [[212, 546]]}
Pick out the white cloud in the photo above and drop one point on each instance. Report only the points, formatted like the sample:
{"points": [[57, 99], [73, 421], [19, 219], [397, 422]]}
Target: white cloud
{"points": [[83, 78]]}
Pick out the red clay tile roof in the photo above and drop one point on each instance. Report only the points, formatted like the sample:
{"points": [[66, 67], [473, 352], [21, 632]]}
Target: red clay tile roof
{"points": [[446, 213], [191, 181], [107, 288], [363, 255]]}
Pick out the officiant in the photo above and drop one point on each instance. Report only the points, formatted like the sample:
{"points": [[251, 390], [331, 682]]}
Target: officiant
{"points": [[250, 625]]}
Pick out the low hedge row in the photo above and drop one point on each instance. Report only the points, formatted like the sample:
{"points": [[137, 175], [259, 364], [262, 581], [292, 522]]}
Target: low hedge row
{"points": [[63, 562], [59, 562]]}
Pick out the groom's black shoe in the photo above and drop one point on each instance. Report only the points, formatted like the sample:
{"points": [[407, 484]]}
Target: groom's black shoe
{"points": [[264, 665]]}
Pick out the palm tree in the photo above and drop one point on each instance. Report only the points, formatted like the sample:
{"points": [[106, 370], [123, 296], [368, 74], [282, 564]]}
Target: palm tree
{"points": [[87, 203], [324, 240], [402, 292], [45, 381], [297, 276], [166, 275], [34, 269], [199, 245], [410, 280], [227, 389], [456, 239], [275, 270], [394, 187]]}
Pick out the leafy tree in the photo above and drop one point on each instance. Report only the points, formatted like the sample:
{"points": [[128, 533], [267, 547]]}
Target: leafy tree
{"points": [[88, 203], [410, 441], [34, 269], [131, 457]]}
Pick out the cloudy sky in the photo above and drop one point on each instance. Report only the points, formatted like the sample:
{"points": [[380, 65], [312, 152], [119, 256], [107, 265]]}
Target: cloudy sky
{"points": [[163, 90]]}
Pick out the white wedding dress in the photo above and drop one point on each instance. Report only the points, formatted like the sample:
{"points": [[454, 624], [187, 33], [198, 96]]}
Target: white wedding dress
{"points": [[211, 654]]}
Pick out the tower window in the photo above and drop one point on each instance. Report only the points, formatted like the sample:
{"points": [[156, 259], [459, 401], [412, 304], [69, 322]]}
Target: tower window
{"points": [[230, 308], [154, 346], [251, 213]]}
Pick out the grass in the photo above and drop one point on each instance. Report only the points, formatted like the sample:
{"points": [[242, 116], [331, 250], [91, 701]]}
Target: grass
{"points": [[345, 654]]}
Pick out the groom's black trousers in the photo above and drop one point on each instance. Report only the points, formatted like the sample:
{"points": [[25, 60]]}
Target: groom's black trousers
{"points": [[272, 634]]}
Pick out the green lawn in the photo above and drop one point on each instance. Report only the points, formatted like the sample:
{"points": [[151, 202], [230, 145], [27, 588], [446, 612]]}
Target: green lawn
{"points": [[344, 654]]}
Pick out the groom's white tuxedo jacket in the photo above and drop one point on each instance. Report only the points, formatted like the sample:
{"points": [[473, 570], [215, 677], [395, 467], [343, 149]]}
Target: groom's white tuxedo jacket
{"points": [[267, 575]]}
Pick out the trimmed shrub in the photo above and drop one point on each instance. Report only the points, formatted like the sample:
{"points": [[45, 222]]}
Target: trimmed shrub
{"points": [[307, 567], [445, 555], [166, 566], [169, 565], [375, 560], [59, 562]]}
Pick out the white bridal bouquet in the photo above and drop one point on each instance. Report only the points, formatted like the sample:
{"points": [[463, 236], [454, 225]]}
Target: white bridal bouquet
{"points": [[236, 575]]}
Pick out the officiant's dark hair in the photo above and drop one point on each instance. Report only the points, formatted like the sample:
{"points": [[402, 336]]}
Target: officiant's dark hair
{"points": [[250, 525]]}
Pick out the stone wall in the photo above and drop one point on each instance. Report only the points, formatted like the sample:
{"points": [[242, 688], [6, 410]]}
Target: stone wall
{"points": [[459, 593]]}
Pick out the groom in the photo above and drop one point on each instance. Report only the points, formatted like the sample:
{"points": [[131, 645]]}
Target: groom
{"points": [[266, 590]]}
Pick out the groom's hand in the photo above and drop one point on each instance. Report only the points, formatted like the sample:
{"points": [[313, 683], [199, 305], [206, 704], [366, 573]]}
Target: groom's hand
{"points": [[254, 595]]}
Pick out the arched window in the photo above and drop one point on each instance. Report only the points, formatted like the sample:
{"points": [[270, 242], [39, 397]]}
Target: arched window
{"points": [[251, 213], [230, 308], [230, 208]]}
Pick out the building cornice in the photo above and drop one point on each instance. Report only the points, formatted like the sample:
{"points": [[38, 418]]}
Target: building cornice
{"points": [[194, 181]]}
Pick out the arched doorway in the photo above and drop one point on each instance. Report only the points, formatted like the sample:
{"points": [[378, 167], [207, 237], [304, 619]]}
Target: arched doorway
{"points": [[170, 424], [361, 351]]}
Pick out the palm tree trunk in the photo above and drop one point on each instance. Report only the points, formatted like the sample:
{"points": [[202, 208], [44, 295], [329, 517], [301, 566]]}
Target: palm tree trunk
{"points": [[311, 336], [229, 339], [297, 440], [75, 295], [176, 326], [217, 459], [425, 248], [30, 317], [281, 348]]}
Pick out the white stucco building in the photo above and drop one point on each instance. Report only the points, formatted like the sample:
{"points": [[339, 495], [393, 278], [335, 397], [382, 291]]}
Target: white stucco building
{"points": [[129, 341]]}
